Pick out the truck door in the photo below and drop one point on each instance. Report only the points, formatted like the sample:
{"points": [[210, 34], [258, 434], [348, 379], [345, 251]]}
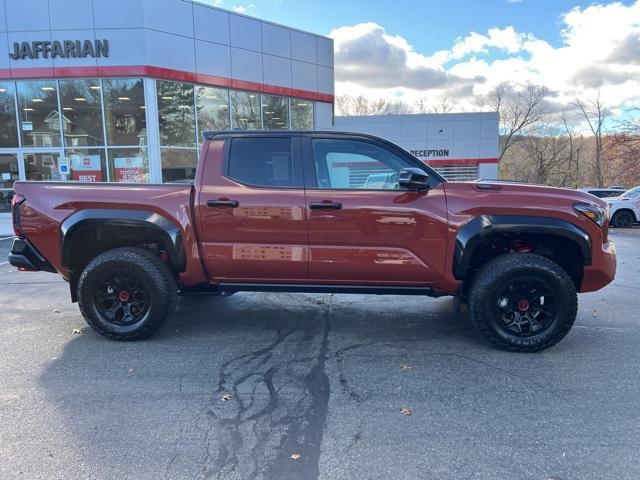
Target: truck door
{"points": [[362, 228], [251, 210]]}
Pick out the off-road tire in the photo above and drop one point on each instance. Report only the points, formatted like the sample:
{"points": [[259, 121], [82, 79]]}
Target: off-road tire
{"points": [[149, 269], [497, 273], [622, 219]]}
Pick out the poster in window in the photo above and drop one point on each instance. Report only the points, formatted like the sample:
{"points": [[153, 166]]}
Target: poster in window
{"points": [[86, 168], [129, 169]]}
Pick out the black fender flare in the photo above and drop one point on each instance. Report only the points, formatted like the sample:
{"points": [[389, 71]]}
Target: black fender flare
{"points": [[115, 218], [481, 227]]}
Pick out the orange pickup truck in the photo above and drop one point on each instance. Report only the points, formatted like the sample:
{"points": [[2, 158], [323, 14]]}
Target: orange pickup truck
{"points": [[318, 212]]}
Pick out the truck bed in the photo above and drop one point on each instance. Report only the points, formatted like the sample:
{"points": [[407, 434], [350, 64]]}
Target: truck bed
{"points": [[48, 204]]}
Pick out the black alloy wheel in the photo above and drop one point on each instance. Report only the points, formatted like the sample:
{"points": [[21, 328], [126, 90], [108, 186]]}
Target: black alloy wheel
{"points": [[523, 302], [121, 297], [127, 293], [525, 306]]}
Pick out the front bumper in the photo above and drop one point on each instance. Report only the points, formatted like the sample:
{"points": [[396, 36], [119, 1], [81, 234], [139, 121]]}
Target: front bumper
{"points": [[25, 256], [602, 270]]}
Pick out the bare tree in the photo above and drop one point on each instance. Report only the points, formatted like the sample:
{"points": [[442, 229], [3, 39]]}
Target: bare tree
{"points": [[573, 152], [441, 105], [349, 105], [520, 109], [595, 114], [547, 153]]}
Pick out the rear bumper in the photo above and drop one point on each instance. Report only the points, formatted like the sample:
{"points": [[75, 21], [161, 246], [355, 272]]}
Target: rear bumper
{"points": [[602, 270], [25, 256]]}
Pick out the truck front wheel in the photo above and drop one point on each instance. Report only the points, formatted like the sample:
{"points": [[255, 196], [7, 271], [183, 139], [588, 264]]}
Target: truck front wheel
{"points": [[126, 293], [523, 302]]}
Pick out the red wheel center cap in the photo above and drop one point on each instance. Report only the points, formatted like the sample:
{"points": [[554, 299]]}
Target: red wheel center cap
{"points": [[123, 296], [523, 305]]}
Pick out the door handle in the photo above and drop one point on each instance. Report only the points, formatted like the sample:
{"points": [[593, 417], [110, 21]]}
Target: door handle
{"points": [[327, 205], [223, 203]]}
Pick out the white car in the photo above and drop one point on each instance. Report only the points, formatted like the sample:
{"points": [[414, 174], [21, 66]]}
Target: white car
{"points": [[624, 210]]}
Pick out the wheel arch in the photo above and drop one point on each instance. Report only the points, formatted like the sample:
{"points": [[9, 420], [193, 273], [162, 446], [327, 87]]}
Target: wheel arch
{"points": [[90, 232], [481, 230]]}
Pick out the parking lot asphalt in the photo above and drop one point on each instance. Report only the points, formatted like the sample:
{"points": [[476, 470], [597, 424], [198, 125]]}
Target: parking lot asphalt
{"points": [[316, 385]]}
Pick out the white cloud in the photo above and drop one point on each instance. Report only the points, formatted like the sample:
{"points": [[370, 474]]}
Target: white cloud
{"points": [[243, 8], [600, 48]]}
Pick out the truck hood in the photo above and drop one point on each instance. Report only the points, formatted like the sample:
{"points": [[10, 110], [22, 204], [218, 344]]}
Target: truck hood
{"points": [[514, 198]]}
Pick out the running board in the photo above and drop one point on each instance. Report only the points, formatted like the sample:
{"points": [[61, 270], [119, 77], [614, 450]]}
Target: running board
{"points": [[231, 288]]}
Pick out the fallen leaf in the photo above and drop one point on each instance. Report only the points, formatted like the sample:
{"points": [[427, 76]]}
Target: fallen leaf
{"points": [[405, 366], [405, 411], [227, 396], [77, 331], [296, 456]]}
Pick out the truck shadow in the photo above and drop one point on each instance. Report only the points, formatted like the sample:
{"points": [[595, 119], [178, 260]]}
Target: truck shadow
{"points": [[232, 387]]}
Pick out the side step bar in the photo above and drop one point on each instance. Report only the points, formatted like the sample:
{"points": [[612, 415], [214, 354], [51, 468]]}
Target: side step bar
{"points": [[226, 289]]}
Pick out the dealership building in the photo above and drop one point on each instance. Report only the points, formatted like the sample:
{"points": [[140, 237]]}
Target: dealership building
{"points": [[120, 91], [461, 146]]}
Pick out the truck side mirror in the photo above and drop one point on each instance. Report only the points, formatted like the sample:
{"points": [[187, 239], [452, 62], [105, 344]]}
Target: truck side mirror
{"points": [[413, 179]]}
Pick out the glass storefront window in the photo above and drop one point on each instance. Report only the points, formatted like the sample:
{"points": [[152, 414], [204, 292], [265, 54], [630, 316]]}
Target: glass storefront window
{"points": [[176, 114], [87, 165], [178, 164], [245, 110], [212, 106], [125, 111], [275, 112], [81, 113], [8, 175], [130, 165], [301, 114], [42, 166], [39, 116], [8, 127]]}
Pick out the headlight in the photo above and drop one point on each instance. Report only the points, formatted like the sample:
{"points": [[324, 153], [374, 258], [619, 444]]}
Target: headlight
{"points": [[597, 215]]}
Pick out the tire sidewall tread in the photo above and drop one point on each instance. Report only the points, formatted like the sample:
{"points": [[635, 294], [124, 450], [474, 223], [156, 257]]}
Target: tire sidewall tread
{"points": [[498, 270], [163, 296]]}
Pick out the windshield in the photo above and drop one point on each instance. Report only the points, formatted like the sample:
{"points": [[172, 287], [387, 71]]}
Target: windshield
{"points": [[633, 193]]}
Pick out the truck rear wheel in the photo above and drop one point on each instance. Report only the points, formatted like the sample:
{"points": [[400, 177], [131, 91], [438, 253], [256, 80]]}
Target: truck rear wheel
{"points": [[126, 293], [523, 302]]}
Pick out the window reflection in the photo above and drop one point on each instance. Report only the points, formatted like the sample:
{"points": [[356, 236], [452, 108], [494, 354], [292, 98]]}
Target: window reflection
{"points": [[125, 111], [275, 111], [39, 118], [129, 165], [42, 166], [8, 175], [81, 113], [212, 106], [245, 111], [8, 127], [176, 114], [301, 114], [179, 164]]}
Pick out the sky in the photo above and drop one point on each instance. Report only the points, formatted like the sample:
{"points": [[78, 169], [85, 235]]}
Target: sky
{"points": [[460, 49]]}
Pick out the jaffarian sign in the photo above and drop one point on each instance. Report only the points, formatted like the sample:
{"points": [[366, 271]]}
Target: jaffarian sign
{"points": [[59, 49]]}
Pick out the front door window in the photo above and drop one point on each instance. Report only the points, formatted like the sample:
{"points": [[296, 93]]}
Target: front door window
{"points": [[354, 164]]}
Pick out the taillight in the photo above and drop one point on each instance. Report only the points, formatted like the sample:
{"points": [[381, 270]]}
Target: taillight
{"points": [[17, 200]]}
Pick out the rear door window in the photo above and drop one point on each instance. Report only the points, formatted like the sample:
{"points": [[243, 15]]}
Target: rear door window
{"points": [[264, 162]]}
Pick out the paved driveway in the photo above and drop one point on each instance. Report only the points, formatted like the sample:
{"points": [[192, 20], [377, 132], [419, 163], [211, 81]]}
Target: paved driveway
{"points": [[322, 377]]}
